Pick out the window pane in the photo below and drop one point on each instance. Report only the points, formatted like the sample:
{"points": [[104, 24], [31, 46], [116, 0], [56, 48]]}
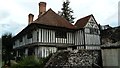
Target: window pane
{"points": [[60, 34], [29, 36]]}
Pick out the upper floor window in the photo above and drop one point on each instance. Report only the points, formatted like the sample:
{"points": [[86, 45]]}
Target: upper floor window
{"points": [[21, 39], [94, 31], [29, 36], [37, 36], [13, 43], [60, 34], [87, 30]]}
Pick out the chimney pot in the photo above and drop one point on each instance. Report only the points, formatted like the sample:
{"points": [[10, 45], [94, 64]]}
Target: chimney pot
{"points": [[42, 8], [30, 18]]}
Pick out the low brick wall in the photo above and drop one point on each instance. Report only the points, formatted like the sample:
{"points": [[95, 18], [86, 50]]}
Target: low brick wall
{"points": [[75, 59]]}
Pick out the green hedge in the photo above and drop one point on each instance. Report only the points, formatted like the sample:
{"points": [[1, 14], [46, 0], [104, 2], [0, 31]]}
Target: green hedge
{"points": [[31, 62]]}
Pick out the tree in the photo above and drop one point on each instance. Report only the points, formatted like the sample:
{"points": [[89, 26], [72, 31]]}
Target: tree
{"points": [[67, 11], [6, 47]]}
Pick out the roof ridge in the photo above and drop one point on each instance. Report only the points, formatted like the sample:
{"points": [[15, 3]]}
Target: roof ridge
{"points": [[53, 19], [86, 16], [80, 23]]}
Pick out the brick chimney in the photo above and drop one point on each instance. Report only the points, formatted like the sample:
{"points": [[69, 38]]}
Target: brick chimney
{"points": [[42, 8], [30, 18]]}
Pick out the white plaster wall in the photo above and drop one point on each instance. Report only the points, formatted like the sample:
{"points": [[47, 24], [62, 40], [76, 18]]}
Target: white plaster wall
{"points": [[92, 39], [60, 40], [26, 52], [45, 51], [79, 37], [34, 36], [46, 36]]}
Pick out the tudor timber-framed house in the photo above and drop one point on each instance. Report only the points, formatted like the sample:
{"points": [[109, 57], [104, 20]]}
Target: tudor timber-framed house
{"points": [[50, 32]]}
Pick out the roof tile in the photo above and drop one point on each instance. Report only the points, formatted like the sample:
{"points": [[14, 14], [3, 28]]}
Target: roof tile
{"points": [[82, 22], [52, 19]]}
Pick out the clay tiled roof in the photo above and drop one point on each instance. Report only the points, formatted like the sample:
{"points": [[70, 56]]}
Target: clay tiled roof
{"points": [[82, 22], [52, 19]]}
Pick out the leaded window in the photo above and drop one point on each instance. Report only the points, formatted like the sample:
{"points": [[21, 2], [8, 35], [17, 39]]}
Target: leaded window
{"points": [[60, 34]]}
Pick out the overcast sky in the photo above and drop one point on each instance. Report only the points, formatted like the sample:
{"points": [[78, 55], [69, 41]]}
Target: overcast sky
{"points": [[14, 13]]}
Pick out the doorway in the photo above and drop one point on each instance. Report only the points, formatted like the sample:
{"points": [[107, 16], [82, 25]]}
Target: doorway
{"points": [[31, 51]]}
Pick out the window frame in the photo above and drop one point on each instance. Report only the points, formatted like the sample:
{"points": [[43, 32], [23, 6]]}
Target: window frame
{"points": [[29, 36], [60, 34], [21, 40]]}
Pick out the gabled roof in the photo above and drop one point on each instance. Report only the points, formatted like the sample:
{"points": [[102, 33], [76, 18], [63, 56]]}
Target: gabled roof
{"points": [[82, 21], [50, 18]]}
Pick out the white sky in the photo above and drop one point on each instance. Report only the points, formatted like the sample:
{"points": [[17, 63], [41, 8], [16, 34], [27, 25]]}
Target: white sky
{"points": [[14, 13]]}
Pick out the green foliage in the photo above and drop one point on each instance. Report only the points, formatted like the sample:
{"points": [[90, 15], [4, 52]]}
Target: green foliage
{"points": [[67, 12], [31, 62], [7, 42], [7, 47], [112, 34]]}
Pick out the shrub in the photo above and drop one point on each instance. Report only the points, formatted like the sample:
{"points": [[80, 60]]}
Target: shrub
{"points": [[31, 62]]}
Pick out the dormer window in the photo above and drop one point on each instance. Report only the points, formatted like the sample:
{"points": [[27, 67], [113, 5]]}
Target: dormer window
{"points": [[60, 34]]}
